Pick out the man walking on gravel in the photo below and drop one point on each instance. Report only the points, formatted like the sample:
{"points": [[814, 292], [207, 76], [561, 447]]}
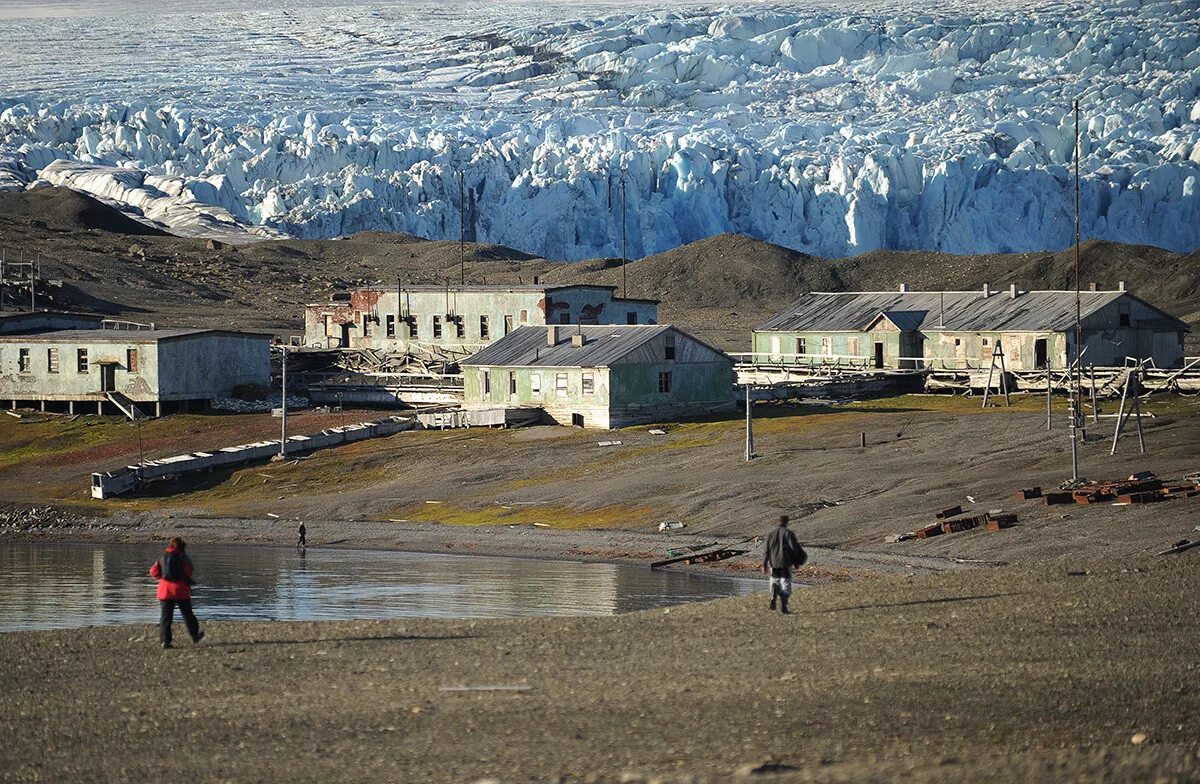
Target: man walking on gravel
{"points": [[783, 551], [174, 574]]}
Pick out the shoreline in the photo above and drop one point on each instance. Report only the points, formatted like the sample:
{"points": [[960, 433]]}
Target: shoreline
{"points": [[625, 547]]}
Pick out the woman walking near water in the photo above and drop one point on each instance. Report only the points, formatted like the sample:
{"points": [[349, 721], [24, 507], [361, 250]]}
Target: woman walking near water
{"points": [[174, 573]]}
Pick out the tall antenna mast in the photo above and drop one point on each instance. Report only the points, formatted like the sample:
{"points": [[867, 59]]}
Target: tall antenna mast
{"points": [[1078, 319], [462, 229], [624, 256]]}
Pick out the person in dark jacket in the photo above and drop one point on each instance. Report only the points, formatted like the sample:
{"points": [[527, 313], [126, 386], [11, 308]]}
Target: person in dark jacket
{"points": [[301, 537], [174, 574], [783, 551]]}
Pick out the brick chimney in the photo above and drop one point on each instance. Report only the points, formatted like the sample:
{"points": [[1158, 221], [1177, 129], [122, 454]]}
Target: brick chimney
{"points": [[987, 290], [1121, 286], [1012, 290], [579, 340]]}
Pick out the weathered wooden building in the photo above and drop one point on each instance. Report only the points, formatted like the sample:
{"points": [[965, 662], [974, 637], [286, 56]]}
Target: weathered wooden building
{"points": [[601, 376], [459, 320], [110, 370], [960, 329]]}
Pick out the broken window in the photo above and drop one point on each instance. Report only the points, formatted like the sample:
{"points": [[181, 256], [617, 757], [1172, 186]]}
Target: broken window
{"points": [[1123, 316], [524, 317], [508, 325], [958, 341], [437, 327], [826, 346], [664, 382], [512, 383], [985, 341], [52, 360], [391, 326], [131, 360], [484, 330], [487, 383], [669, 350], [589, 384], [81, 360], [460, 327], [631, 317], [535, 382], [801, 349], [560, 383], [23, 360], [414, 329]]}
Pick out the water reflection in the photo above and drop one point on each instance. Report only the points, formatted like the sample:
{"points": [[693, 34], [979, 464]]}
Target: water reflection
{"points": [[58, 585]]}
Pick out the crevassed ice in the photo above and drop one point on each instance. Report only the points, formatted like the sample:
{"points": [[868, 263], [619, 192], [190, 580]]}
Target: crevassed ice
{"points": [[828, 127]]}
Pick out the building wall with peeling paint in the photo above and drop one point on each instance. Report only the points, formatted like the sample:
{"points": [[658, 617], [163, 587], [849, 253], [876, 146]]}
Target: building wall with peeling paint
{"points": [[460, 322]]}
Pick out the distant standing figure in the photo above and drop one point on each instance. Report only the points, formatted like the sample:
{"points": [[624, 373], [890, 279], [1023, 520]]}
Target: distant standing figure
{"points": [[783, 551], [174, 574], [301, 541]]}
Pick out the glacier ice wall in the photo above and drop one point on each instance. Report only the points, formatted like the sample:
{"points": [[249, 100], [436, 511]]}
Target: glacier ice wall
{"points": [[818, 128]]}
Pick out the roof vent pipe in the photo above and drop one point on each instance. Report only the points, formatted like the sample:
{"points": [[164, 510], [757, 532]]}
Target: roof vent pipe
{"points": [[903, 288], [551, 335], [987, 289], [1091, 287], [1121, 286], [1012, 290]]}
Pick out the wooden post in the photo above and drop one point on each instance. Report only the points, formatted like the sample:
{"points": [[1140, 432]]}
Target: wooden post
{"points": [[1137, 409], [1095, 407], [1121, 414], [987, 389], [862, 440], [998, 350], [749, 429], [283, 403]]}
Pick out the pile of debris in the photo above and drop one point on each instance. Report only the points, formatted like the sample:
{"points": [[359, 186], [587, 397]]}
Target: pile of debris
{"points": [[955, 520], [258, 406], [1140, 488], [36, 518]]}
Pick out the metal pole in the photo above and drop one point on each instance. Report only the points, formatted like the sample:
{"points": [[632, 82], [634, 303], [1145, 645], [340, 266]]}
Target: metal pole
{"points": [[1137, 411], [283, 403], [3, 258], [1121, 414], [1078, 319], [1049, 392], [33, 285], [624, 256], [462, 229], [749, 428]]}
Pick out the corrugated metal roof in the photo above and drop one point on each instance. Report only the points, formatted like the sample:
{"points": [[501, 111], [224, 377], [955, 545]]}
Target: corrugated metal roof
{"points": [[121, 335], [605, 344], [967, 311]]}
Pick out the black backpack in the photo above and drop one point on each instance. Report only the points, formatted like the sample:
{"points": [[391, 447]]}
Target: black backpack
{"points": [[171, 565]]}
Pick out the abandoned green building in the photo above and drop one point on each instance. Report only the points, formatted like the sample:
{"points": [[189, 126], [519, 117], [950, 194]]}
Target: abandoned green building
{"points": [[960, 329], [459, 320], [129, 370], [601, 376]]}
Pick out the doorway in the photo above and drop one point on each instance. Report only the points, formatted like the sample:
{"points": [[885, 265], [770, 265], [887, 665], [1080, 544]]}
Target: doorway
{"points": [[108, 378], [879, 355], [1040, 354], [346, 335], [577, 420]]}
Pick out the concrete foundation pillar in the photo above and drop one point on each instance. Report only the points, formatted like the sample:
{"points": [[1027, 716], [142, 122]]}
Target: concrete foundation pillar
{"points": [[71, 407], [43, 406], [100, 407], [157, 408]]}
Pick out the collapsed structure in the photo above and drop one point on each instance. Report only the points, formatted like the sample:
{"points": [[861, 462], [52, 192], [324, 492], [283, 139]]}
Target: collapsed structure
{"points": [[601, 376], [961, 329], [131, 370], [457, 321]]}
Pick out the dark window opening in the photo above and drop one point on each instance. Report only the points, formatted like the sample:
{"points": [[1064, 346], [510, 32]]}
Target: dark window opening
{"points": [[564, 318], [589, 384], [484, 330], [878, 355], [391, 326], [23, 360], [669, 348], [801, 346], [437, 326], [577, 420], [52, 360], [81, 360], [414, 329], [508, 324], [460, 327], [487, 383], [1040, 354], [631, 317], [664, 382], [512, 382]]}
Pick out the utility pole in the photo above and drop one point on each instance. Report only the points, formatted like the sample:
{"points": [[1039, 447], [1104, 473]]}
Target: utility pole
{"points": [[462, 228], [624, 255], [749, 428], [283, 404], [1075, 386], [3, 258]]}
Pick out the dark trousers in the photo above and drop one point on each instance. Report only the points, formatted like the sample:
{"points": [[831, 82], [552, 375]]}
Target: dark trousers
{"points": [[168, 613]]}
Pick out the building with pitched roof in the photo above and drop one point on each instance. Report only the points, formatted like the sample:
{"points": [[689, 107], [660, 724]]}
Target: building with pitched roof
{"points": [[960, 329], [601, 376]]}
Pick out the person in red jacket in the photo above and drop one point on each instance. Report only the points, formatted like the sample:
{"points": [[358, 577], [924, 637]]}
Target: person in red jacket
{"points": [[174, 574]]}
